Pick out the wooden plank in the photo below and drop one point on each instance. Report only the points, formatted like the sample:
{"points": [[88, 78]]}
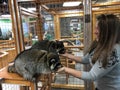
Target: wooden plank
{"points": [[17, 25], [69, 14], [14, 78], [7, 44], [66, 8], [44, 7], [67, 86], [26, 0], [55, 1], [57, 27], [106, 4], [87, 35], [106, 10], [39, 24]]}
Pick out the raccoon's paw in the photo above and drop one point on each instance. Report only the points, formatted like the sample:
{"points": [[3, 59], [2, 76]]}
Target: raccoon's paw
{"points": [[29, 77], [11, 69]]}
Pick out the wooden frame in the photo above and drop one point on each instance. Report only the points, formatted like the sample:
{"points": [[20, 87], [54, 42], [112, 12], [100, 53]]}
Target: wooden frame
{"points": [[58, 36], [13, 78], [57, 21], [106, 4], [55, 12], [16, 25]]}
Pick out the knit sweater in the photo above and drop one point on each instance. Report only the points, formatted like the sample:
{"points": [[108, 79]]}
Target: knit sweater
{"points": [[104, 78]]}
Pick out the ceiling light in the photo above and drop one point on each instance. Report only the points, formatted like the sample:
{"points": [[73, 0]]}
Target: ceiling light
{"points": [[4, 3], [68, 4], [6, 15]]}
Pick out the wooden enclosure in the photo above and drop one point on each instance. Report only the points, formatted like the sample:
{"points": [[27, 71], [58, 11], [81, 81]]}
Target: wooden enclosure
{"points": [[35, 19]]}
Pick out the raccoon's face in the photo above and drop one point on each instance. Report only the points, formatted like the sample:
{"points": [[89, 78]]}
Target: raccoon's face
{"points": [[54, 62], [60, 47], [54, 65], [57, 46]]}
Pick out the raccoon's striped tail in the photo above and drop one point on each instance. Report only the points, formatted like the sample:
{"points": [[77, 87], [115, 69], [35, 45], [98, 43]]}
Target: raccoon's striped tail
{"points": [[11, 69]]}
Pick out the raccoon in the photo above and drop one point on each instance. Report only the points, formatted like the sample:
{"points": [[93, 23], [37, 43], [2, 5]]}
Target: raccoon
{"points": [[32, 63], [51, 46]]}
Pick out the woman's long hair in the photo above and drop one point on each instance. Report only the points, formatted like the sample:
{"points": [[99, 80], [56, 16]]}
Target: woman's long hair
{"points": [[92, 47], [109, 35]]}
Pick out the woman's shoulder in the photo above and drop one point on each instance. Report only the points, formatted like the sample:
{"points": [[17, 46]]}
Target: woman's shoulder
{"points": [[117, 47]]}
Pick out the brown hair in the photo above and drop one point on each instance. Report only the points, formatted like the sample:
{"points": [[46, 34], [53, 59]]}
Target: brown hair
{"points": [[93, 45], [109, 35]]}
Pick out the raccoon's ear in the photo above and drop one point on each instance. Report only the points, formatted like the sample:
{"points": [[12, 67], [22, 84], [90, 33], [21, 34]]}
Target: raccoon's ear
{"points": [[52, 46]]}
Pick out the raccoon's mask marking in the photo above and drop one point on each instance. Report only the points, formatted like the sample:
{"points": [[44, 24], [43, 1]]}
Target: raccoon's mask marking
{"points": [[54, 62], [54, 65], [58, 46]]}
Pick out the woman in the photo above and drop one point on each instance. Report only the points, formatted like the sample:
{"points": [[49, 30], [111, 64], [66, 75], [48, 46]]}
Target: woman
{"points": [[104, 56]]}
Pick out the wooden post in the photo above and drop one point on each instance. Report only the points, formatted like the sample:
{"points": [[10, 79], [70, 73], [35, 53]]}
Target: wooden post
{"points": [[17, 25], [39, 22], [87, 34], [57, 27]]}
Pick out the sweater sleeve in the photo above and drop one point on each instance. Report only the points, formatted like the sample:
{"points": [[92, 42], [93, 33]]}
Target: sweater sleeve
{"points": [[85, 59], [98, 71]]}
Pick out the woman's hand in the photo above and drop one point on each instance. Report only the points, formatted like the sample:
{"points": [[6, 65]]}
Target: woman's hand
{"points": [[64, 55], [61, 69]]}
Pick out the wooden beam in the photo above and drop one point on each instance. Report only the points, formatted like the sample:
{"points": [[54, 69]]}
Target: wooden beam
{"points": [[57, 27], [66, 8], [106, 4], [55, 1], [39, 24], [26, 0], [44, 7], [17, 25], [106, 10], [68, 86], [70, 14]]}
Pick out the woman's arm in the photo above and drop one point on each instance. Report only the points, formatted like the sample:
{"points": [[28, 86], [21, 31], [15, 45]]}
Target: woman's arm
{"points": [[72, 57], [83, 60], [70, 71], [96, 72]]}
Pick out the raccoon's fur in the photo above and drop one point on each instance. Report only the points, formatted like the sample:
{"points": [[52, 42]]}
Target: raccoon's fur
{"points": [[33, 62]]}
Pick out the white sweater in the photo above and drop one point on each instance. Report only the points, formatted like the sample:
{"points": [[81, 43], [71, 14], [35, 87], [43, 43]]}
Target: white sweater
{"points": [[104, 78]]}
